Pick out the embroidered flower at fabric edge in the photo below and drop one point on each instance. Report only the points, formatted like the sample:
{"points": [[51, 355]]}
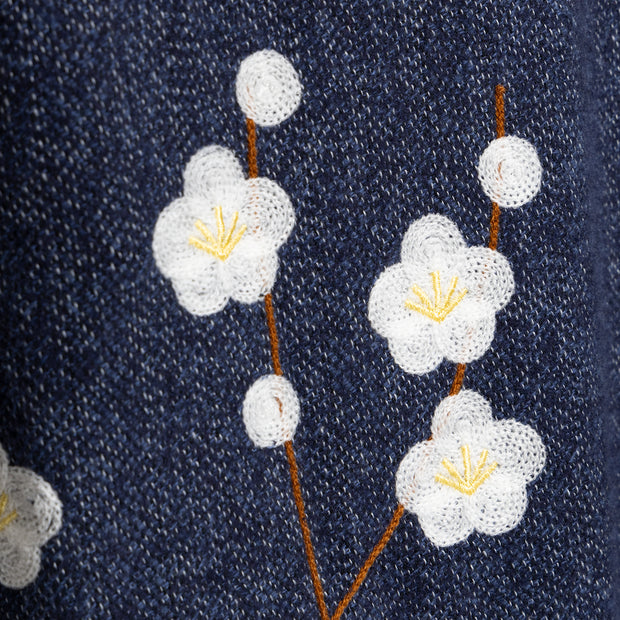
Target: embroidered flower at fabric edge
{"points": [[30, 514], [472, 474], [440, 300], [220, 239]]}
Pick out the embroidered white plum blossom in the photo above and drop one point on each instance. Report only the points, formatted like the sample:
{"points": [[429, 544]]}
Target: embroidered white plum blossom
{"points": [[440, 301], [268, 88], [472, 474], [30, 514], [510, 171], [271, 411], [219, 240]]}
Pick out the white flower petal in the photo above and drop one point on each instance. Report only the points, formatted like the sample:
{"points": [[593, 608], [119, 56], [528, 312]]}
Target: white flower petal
{"points": [[465, 336], [171, 244], [429, 239], [518, 448], [444, 520], [19, 565], [415, 474], [39, 511], [455, 415], [498, 505], [203, 291], [487, 276], [439, 509], [250, 278], [209, 167], [416, 354], [268, 88], [271, 411], [268, 213], [387, 311]]}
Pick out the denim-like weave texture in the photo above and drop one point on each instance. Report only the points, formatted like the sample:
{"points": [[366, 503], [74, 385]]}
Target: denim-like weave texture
{"points": [[601, 50], [130, 407]]}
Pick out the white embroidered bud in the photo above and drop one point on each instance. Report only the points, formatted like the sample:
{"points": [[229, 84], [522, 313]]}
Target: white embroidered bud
{"points": [[271, 411], [268, 88], [510, 171]]}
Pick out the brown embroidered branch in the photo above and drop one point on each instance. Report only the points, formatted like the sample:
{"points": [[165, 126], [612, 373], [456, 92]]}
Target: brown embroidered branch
{"points": [[294, 472], [273, 335], [499, 124], [305, 531], [290, 452], [361, 576], [252, 158], [457, 384], [459, 375]]}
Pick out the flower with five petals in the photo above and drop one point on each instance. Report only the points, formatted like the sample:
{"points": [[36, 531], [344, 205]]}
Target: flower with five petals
{"points": [[219, 240], [440, 300]]}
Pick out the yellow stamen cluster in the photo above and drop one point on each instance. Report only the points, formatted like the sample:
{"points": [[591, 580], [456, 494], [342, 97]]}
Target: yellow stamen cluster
{"points": [[222, 246], [469, 482], [440, 307], [6, 519]]}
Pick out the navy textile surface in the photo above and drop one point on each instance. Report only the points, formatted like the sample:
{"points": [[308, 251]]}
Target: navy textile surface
{"points": [[130, 406], [601, 51]]}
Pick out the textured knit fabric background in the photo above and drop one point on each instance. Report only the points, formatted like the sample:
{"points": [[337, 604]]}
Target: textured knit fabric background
{"points": [[130, 406]]}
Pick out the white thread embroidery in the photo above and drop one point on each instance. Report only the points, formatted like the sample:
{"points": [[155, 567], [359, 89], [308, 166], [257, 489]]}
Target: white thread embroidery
{"points": [[510, 171], [472, 474], [440, 301], [271, 411], [30, 514], [220, 239], [268, 88]]}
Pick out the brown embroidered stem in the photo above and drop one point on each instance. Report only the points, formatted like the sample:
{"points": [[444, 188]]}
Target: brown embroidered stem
{"points": [[457, 384], [294, 471], [494, 227], [500, 91], [252, 158], [273, 335], [361, 576], [277, 369], [305, 531], [500, 118], [500, 132]]}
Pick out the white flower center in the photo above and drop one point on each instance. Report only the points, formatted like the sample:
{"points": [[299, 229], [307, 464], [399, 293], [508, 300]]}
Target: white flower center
{"points": [[438, 309], [469, 482], [222, 246]]}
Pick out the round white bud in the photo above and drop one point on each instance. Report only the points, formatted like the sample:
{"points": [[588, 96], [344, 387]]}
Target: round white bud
{"points": [[271, 411], [268, 88], [510, 171]]}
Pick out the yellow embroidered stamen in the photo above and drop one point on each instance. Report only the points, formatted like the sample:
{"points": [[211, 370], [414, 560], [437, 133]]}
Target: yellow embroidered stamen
{"points": [[4, 500], [466, 462], [440, 308], [468, 483], [225, 243]]}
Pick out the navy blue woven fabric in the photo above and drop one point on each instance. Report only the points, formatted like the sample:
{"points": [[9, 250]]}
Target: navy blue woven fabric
{"points": [[600, 45], [130, 406]]}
